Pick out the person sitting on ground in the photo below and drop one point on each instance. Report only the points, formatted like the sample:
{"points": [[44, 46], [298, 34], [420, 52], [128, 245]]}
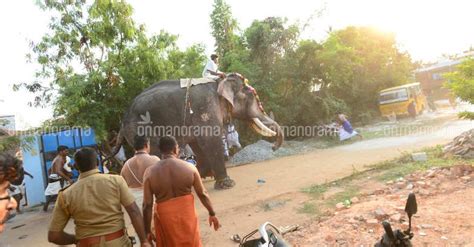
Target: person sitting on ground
{"points": [[345, 128], [211, 69], [58, 176], [8, 172], [95, 203], [171, 182]]}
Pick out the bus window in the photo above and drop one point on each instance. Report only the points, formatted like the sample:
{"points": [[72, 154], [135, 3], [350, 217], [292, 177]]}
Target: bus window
{"points": [[393, 96]]}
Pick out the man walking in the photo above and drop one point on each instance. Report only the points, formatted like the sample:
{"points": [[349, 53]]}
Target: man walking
{"points": [[95, 203], [170, 181], [57, 176], [134, 168]]}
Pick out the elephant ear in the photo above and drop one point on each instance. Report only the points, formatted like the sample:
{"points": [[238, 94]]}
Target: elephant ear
{"points": [[225, 90]]}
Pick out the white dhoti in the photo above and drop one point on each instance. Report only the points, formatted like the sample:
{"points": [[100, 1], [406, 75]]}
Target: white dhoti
{"points": [[53, 188], [138, 194], [344, 135]]}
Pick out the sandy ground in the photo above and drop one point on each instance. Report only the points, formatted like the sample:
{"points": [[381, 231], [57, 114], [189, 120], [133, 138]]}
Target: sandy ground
{"points": [[243, 208]]}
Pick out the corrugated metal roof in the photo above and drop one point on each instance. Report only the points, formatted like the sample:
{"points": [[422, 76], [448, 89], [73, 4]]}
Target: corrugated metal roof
{"points": [[447, 63], [439, 65]]}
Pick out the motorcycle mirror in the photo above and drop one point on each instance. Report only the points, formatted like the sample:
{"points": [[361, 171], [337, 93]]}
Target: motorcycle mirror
{"points": [[411, 207], [388, 230]]}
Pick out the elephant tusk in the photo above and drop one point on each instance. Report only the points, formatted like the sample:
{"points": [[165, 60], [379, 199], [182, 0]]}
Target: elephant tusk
{"points": [[262, 129], [258, 130]]}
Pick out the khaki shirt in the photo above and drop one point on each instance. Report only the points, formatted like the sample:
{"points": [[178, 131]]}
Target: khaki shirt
{"points": [[134, 168], [95, 203]]}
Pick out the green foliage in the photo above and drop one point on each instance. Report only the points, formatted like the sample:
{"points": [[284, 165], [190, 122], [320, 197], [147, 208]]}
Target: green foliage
{"points": [[95, 60], [223, 27], [12, 143], [357, 62], [461, 83], [305, 82]]}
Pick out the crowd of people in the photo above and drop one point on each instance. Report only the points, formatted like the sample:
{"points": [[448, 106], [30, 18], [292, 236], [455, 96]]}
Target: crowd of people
{"points": [[166, 186], [94, 202]]}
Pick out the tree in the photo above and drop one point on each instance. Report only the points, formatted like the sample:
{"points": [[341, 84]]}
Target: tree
{"points": [[268, 40], [223, 26], [357, 62], [95, 60], [461, 82]]}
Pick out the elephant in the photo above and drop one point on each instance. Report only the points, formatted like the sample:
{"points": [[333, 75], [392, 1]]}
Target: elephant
{"points": [[201, 111]]}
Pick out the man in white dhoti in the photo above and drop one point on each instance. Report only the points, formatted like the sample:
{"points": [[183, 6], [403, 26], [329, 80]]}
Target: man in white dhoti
{"points": [[211, 69], [58, 176]]}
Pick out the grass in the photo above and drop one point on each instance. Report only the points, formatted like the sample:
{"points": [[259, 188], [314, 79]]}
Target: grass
{"points": [[381, 172], [343, 196], [404, 165], [309, 208], [316, 191]]}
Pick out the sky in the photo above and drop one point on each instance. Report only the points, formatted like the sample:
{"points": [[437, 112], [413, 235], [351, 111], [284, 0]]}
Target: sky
{"points": [[425, 29]]}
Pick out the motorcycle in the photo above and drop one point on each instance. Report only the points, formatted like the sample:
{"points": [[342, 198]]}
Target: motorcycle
{"points": [[270, 236], [399, 238]]}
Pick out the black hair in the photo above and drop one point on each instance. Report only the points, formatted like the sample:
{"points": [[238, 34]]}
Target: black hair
{"points": [[167, 144], [214, 56], [9, 167], [85, 159], [62, 148], [139, 142]]}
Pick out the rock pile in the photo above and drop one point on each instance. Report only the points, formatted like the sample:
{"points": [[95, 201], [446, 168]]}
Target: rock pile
{"points": [[360, 223], [259, 151], [461, 146]]}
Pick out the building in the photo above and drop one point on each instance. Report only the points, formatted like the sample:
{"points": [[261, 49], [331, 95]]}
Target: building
{"points": [[431, 77], [8, 122], [40, 151]]}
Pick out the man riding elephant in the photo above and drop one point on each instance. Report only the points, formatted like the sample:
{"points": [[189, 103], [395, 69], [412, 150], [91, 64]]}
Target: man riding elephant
{"points": [[195, 115]]}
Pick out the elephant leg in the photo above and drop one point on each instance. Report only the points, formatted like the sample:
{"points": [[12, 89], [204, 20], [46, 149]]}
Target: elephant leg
{"points": [[203, 166], [213, 150]]}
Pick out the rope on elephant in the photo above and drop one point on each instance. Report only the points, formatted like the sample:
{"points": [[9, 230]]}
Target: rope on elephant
{"points": [[186, 100]]}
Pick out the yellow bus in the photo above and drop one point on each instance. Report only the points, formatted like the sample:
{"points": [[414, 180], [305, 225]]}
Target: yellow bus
{"points": [[396, 100]]}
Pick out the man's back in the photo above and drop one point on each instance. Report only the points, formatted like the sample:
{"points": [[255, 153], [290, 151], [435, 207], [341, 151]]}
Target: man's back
{"points": [[135, 167], [171, 178], [95, 203]]}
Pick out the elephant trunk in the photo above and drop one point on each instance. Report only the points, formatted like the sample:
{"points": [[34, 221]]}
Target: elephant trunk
{"points": [[268, 127]]}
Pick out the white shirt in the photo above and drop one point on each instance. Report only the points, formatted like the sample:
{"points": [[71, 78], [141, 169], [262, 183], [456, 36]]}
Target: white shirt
{"points": [[212, 67]]}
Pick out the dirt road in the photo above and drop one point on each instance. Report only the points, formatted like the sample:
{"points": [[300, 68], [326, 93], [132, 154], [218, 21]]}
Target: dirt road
{"points": [[243, 208]]}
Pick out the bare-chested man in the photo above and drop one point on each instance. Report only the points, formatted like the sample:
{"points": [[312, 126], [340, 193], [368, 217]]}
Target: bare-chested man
{"points": [[170, 181], [57, 176], [135, 167]]}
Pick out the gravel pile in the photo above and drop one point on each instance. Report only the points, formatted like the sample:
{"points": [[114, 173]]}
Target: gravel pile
{"points": [[461, 146], [261, 150]]}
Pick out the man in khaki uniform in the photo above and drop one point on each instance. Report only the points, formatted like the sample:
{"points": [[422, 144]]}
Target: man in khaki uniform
{"points": [[95, 203]]}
